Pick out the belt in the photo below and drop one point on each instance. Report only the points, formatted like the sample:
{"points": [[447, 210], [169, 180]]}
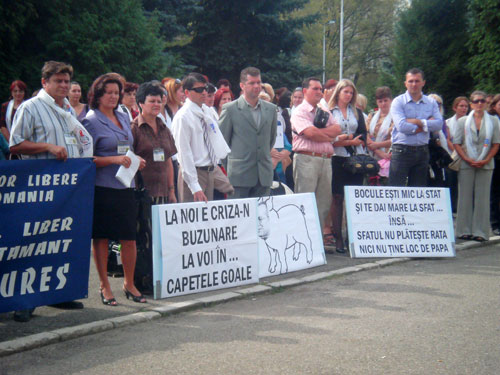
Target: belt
{"points": [[208, 168], [412, 148], [323, 155]]}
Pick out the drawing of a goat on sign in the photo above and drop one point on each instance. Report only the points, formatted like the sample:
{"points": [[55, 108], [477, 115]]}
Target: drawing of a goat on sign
{"points": [[281, 240]]}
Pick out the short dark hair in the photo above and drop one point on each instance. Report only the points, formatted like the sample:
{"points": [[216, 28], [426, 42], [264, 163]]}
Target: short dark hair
{"points": [[130, 86], [152, 88], [285, 99], [98, 88], [415, 71], [249, 71], [383, 92], [305, 83], [224, 82], [211, 89], [192, 78], [55, 67]]}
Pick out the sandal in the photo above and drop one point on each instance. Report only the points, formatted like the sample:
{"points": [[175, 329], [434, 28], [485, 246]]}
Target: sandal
{"points": [[479, 239], [108, 302], [328, 239], [466, 237], [137, 299]]}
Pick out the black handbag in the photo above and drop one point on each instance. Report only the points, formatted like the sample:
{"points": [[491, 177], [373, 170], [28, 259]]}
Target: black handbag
{"points": [[360, 163], [321, 118]]}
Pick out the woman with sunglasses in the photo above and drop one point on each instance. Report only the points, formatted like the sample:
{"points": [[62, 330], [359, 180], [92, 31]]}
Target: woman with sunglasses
{"points": [[476, 141]]}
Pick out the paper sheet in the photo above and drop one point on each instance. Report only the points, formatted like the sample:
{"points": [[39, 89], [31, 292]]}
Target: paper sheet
{"points": [[126, 175]]}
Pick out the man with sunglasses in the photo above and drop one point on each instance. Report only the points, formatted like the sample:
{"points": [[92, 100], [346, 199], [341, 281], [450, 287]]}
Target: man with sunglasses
{"points": [[249, 127], [415, 116], [199, 172]]}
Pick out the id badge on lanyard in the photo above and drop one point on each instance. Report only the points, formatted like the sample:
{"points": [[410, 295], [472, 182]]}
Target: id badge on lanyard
{"points": [[158, 154], [123, 147], [70, 139]]}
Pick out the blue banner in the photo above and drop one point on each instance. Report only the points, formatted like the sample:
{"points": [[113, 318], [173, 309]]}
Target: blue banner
{"points": [[46, 209]]}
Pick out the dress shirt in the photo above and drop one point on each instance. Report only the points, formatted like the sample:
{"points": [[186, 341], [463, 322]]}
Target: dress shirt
{"points": [[154, 173], [36, 121], [106, 136], [402, 108], [167, 121], [192, 151], [303, 118], [256, 112]]}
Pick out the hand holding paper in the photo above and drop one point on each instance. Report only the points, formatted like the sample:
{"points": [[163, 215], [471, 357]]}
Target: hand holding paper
{"points": [[125, 175]]}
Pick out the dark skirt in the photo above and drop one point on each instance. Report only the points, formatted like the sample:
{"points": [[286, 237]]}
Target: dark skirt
{"points": [[115, 214], [341, 178]]}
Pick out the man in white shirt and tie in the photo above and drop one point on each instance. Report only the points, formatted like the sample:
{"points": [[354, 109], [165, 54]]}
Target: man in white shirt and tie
{"points": [[199, 172]]}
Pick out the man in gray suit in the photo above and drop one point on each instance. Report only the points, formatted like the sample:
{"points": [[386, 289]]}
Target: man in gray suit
{"points": [[249, 127]]}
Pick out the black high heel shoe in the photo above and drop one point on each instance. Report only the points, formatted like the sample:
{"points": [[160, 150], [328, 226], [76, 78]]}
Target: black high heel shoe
{"points": [[138, 299], [108, 302]]}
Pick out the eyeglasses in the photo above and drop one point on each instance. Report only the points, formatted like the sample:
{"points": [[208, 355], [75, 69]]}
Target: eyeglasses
{"points": [[199, 90], [482, 101]]}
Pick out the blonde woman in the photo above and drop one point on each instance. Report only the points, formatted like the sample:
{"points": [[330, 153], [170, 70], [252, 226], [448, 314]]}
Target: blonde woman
{"points": [[352, 123]]}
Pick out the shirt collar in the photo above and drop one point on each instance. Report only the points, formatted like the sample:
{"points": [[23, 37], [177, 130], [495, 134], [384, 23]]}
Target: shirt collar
{"points": [[257, 106], [408, 98], [307, 106]]}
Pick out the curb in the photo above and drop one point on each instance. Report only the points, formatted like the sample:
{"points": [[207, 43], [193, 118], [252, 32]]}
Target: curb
{"points": [[63, 334]]}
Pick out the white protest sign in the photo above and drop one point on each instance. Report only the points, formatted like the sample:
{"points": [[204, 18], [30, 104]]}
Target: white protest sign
{"points": [[289, 234], [399, 222], [204, 246]]}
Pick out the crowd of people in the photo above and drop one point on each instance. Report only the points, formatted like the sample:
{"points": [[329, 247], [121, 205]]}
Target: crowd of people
{"points": [[197, 141]]}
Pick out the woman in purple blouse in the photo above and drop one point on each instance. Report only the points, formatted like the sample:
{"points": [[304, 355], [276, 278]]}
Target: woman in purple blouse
{"points": [[115, 209]]}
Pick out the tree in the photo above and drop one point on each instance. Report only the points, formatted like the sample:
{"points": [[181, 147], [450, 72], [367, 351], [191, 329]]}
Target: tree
{"points": [[368, 33], [95, 37], [227, 36], [484, 44], [432, 35]]}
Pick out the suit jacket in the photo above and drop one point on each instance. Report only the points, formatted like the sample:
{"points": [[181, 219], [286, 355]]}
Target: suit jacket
{"points": [[249, 161]]}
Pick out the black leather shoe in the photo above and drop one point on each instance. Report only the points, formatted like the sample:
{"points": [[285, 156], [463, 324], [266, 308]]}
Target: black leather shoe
{"points": [[70, 305], [340, 250], [23, 316]]}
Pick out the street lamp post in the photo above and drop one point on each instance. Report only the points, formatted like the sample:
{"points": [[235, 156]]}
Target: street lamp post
{"points": [[331, 22], [341, 38]]}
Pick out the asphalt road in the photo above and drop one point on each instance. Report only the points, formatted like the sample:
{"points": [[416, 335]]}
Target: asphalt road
{"points": [[420, 317]]}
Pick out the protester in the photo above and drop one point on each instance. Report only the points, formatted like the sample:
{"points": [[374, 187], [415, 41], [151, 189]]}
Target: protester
{"points": [[297, 98], [45, 127], [222, 96], [328, 92], [476, 140], [17, 96], [175, 96], [494, 110], [128, 103], [74, 96], [352, 123], [223, 83], [199, 173], [414, 116], [380, 126], [115, 210], [154, 142], [210, 100], [268, 89], [249, 127], [439, 151], [460, 106], [312, 170], [361, 103]]}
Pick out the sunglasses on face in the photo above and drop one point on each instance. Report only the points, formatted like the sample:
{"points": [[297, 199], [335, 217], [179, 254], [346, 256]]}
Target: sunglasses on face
{"points": [[482, 101], [199, 90]]}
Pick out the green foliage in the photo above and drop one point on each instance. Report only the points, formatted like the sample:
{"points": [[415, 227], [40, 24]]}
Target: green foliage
{"points": [[229, 36], [95, 37], [431, 35], [484, 44]]}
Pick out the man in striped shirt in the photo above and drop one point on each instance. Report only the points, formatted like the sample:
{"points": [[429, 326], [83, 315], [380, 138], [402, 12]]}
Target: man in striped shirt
{"points": [[44, 128]]}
